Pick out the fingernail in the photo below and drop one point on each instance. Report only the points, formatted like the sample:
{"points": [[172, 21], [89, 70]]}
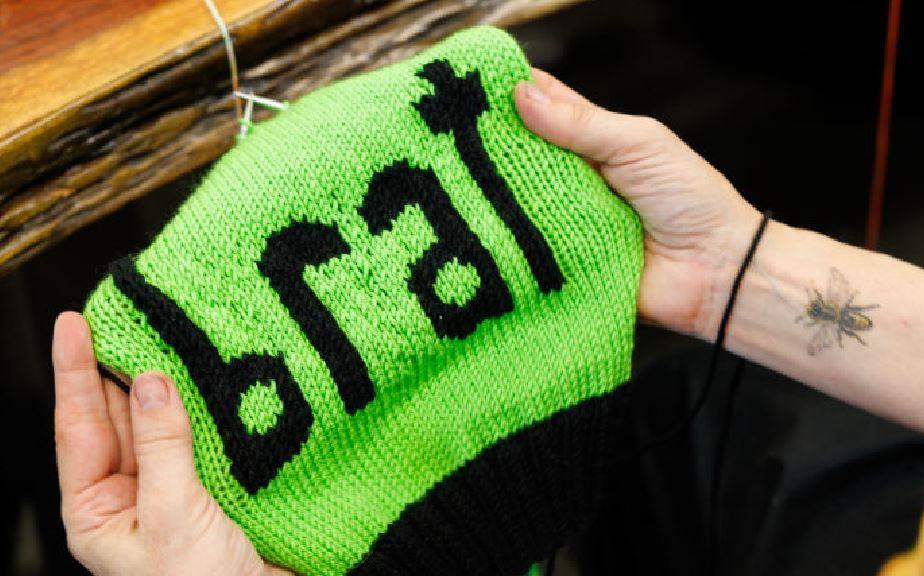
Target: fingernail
{"points": [[535, 94], [150, 390]]}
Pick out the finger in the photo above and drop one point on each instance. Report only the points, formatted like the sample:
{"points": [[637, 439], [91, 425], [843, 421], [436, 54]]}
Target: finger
{"points": [[84, 436], [578, 125], [558, 90], [117, 402], [168, 488], [555, 88]]}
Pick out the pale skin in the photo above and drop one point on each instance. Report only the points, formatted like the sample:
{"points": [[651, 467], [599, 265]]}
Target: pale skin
{"points": [[698, 229], [131, 500]]}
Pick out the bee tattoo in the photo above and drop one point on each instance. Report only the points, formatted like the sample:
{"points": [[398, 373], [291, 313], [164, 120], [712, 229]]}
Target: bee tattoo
{"points": [[835, 315]]}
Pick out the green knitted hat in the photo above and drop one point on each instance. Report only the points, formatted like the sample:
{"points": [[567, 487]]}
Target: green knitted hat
{"points": [[398, 321]]}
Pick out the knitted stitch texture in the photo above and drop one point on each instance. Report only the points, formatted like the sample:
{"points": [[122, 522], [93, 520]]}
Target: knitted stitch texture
{"points": [[398, 321]]}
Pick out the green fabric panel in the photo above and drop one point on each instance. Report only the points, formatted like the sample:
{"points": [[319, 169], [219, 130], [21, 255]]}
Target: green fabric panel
{"points": [[438, 401]]}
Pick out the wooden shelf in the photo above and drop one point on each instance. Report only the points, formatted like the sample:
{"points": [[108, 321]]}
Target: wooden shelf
{"points": [[102, 102]]}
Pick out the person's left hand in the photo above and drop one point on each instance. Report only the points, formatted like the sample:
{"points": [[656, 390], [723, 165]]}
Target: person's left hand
{"points": [[130, 497]]}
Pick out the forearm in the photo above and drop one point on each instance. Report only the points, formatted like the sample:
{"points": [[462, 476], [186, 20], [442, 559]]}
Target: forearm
{"points": [[697, 231], [864, 345]]}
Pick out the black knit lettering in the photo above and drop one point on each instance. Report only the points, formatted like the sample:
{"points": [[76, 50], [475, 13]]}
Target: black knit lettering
{"points": [[287, 253], [255, 458], [455, 107], [400, 185]]}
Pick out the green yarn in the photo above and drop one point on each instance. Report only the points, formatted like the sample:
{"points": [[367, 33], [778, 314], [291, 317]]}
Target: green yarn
{"points": [[456, 283], [439, 401], [260, 407]]}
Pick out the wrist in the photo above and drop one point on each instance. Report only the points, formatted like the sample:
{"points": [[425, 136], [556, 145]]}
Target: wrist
{"points": [[729, 251], [789, 264], [773, 287]]}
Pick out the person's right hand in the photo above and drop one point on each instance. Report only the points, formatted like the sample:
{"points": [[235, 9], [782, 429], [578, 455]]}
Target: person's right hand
{"points": [[697, 226]]}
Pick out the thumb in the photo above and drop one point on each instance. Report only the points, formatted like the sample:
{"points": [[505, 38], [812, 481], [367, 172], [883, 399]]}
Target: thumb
{"points": [[168, 487], [600, 136]]}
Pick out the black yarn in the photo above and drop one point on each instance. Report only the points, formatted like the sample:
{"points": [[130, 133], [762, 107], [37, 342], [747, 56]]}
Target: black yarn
{"points": [[113, 377], [255, 458], [455, 107], [283, 263], [550, 566], [390, 192], [717, 347], [520, 498], [712, 565]]}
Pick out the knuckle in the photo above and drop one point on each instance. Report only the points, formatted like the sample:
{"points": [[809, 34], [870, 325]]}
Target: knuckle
{"points": [[580, 127], [651, 127], [161, 440], [70, 422], [653, 123], [583, 115]]}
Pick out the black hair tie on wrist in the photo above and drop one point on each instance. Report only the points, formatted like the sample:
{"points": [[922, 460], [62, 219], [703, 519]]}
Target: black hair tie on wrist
{"points": [[711, 564], [736, 285], [716, 347]]}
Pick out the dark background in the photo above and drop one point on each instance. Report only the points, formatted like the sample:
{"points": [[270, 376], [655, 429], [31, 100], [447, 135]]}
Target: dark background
{"points": [[782, 97]]}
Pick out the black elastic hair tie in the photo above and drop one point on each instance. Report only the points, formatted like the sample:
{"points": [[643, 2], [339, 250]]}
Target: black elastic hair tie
{"points": [[675, 432], [736, 285], [716, 348], [712, 564], [116, 379]]}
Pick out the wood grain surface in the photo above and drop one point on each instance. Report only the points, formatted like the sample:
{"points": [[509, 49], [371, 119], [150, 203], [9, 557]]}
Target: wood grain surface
{"points": [[32, 30], [91, 122]]}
